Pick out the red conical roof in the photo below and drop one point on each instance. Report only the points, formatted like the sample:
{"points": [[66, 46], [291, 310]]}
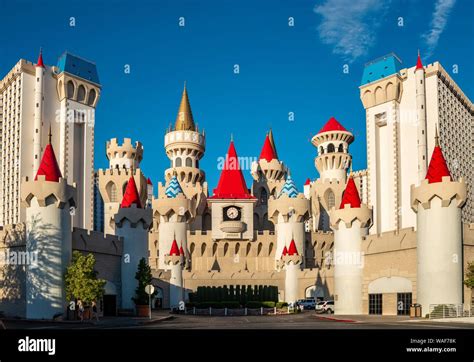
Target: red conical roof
{"points": [[231, 183], [131, 195], [292, 248], [174, 251], [419, 64], [351, 195], [148, 181], [308, 182], [49, 166], [268, 153], [40, 63], [332, 125], [285, 251], [438, 167], [181, 250]]}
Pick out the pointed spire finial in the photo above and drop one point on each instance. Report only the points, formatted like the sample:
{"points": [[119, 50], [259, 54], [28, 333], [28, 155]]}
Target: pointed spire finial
{"points": [[184, 85], [231, 137], [436, 136], [49, 135]]}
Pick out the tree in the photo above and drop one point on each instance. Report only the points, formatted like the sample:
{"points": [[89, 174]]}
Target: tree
{"points": [[81, 279], [144, 278], [469, 282]]}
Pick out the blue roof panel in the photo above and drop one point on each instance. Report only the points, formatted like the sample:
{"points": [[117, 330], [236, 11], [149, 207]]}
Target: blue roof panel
{"points": [[79, 67], [381, 68]]}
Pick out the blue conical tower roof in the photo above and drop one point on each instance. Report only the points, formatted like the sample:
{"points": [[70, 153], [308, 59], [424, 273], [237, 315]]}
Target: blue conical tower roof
{"points": [[173, 188], [289, 188]]}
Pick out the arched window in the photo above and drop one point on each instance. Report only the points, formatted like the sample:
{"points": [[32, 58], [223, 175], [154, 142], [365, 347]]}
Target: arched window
{"points": [[340, 148], [91, 99], [331, 148], [214, 249], [270, 249], [112, 192], [259, 250], [81, 93], [203, 249], [191, 248], [189, 162], [249, 247], [178, 162], [331, 199], [226, 248], [237, 248], [263, 196], [321, 150], [70, 89]]}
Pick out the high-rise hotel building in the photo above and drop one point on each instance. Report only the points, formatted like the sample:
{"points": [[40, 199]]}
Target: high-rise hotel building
{"points": [[37, 98], [404, 106]]}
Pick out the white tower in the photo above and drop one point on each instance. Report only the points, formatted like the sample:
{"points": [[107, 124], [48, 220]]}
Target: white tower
{"points": [[437, 203], [172, 212], [132, 223], [332, 143], [38, 113], [175, 262], [48, 200], [291, 262], [421, 118], [350, 223]]}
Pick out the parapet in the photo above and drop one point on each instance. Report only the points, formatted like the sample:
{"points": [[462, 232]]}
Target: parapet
{"points": [[96, 242], [124, 150], [348, 215], [389, 241], [63, 193], [446, 190]]}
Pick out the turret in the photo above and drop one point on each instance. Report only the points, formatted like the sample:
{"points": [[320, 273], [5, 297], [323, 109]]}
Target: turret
{"points": [[185, 146], [269, 175], [332, 143], [132, 222], [175, 262], [172, 213], [437, 202], [350, 223], [124, 161], [291, 261], [49, 202], [38, 114], [421, 118]]}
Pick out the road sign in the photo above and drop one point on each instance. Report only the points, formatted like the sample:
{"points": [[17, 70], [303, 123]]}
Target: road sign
{"points": [[149, 289]]}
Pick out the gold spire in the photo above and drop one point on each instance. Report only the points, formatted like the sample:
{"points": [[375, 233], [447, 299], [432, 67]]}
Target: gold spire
{"points": [[49, 135], [436, 136], [272, 142], [184, 120]]}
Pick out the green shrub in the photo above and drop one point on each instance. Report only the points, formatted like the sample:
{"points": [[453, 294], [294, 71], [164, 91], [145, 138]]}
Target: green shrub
{"points": [[268, 304], [254, 304], [280, 305]]}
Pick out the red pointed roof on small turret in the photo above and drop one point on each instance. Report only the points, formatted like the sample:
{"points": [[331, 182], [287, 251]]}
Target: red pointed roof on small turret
{"points": [[40, 63], [308, 181], [148, 181], [292, 248], [268, 153], [438, 167], [174, 251], [285, 251], [231, 183], [49, 165], [351, 195], [131, 195], [419, 64], [332, 125]]}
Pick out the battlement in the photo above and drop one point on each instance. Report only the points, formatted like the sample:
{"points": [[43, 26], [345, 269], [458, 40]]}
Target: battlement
{"points": [[389, 241], [118, 172], [193, 138], [126, 150], [96, 242], [42, 190], [446, 190]]}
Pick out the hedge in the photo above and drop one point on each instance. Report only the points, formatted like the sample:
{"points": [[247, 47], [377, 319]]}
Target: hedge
{"points": [[238, 293]]}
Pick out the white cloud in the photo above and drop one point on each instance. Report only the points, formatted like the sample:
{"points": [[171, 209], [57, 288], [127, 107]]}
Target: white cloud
{"points": [[350, 25], [437, 24]]}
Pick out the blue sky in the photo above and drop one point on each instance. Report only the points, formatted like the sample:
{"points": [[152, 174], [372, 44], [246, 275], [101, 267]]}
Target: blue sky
{"points": [[283, 69]]}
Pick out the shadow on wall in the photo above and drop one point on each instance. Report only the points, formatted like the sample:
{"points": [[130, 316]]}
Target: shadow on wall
{"points": [[321, 289], [12, 274], [45, 281]]}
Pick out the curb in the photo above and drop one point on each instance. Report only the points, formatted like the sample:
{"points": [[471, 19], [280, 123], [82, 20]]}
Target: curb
{"points": [[167, 318], [337, 320], [44, 321]]}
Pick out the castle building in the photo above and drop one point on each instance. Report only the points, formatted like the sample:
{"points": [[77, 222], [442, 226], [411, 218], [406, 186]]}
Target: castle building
{"points": [[33, 98], [375, 240]]}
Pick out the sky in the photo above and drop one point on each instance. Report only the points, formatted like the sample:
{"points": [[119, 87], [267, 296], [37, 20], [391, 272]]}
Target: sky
{"points": [[291, 78]]}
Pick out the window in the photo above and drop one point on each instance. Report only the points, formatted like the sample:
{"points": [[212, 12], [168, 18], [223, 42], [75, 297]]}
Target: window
{"points": [[403, 303], [331, 148], [81, 93], [91, 99], [340, 148], [178, 162], [331, 199], [375, 303], [70, 89], [189, 162]]}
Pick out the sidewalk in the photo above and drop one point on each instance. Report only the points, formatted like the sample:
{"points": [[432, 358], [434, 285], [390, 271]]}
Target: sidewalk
{"points": [[444, 320]]}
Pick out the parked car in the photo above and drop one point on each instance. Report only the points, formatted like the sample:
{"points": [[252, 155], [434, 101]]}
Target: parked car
{"points": [[308, 303], [326, 306]]}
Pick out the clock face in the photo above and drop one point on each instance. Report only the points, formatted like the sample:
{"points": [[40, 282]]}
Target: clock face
{"points": [[232, 213]]}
